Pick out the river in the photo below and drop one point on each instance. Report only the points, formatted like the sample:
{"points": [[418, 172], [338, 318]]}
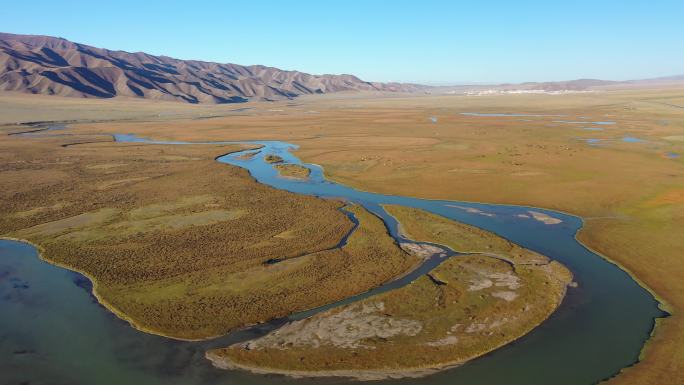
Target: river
{"points": [[53, 331]]}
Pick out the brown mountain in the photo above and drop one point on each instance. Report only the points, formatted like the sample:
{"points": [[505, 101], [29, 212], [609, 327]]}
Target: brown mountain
{"points": [[55, 66]]}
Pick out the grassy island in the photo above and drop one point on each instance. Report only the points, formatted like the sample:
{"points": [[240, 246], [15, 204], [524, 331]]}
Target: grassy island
{"points": [[290, 170], [270, 158]]}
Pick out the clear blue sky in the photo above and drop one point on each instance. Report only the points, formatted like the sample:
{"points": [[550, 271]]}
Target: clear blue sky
{"points": [[421, 40]]}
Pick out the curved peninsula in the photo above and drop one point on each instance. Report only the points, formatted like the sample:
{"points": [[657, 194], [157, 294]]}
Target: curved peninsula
{"points": [[466, 307]]}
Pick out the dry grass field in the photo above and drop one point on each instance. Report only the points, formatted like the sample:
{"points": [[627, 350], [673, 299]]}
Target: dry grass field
{"points": [[466, 307], [626, 179]]}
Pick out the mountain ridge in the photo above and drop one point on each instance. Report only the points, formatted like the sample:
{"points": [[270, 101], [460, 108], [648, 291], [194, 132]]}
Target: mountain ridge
{"points": [[56, 66]]}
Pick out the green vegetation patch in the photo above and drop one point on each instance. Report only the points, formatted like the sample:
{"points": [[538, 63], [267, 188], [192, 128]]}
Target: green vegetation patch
{"points": [[290, 170], [270, 158]]}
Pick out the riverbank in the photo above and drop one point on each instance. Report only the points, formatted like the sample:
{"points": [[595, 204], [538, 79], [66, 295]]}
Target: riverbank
{"points": [[360, 375]]}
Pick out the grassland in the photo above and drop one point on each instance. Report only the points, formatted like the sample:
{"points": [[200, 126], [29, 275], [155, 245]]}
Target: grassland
{"points": [[464, 308], [630, 193], [290, 170], [185, 262], [247, 292]]}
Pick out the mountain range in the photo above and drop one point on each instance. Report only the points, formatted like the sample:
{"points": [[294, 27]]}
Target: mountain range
{"points": [[55, 66]]}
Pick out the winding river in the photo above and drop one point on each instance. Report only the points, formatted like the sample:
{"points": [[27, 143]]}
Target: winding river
{"points": [[53, 331]]}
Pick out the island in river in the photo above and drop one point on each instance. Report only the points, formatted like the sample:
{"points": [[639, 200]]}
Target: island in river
{"points": [[290, 170]]}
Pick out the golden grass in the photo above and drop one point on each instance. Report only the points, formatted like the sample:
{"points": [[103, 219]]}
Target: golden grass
{"points": [[149, 231], [217, 299]]}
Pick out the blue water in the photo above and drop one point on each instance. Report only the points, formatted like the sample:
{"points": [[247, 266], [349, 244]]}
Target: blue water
{"points": [[630, 139], [52, 330], [672, 155]]}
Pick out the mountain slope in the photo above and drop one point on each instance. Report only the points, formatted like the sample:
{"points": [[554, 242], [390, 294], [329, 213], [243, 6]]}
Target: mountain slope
{"points": [[55, 66]]}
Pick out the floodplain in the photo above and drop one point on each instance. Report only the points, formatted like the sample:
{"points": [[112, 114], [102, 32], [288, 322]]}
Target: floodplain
{"points": [[69, 193]]}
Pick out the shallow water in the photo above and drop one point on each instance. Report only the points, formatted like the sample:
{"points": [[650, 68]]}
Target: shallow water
{"points": [[53, 331]]}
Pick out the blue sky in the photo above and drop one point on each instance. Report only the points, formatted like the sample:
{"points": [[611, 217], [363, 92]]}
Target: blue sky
{"points": [[421, 41]]}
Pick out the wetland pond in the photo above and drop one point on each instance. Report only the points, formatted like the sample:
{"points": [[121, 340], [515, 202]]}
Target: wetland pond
{"points": [[53, 331]]}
